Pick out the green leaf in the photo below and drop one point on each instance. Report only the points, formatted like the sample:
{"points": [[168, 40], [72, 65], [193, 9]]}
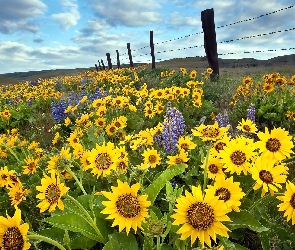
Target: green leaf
{"points": [[54, 233], [73, 222], [121, 241], [154, 188], [82, 242], [264, 240], [228, 245], [244, 219]]}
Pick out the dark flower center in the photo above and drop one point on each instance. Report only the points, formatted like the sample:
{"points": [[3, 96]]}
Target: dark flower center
{"points": [[200, 215], [238, 157], [273, 144], [213, 168], [13, 239], [223, 194], [292, 201], [219, 146], [246, 128], [152, 159], [52, 193], [266, 176], [184, 146], [103, 161], [178, 160], [128, 206], [210, 132]]}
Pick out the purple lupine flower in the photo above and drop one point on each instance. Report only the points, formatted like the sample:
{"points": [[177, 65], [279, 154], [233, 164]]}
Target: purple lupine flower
{"points": [[58, 110], [173, 128], [222, 120], [97, 94], [251, 113]]}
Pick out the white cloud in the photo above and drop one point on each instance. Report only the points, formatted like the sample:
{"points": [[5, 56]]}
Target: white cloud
{"points": [[17, 15], [68, 18], [129, 13]]}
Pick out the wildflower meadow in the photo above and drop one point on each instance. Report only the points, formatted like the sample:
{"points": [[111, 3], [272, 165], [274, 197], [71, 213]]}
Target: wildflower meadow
{"points": [[141, 158]]}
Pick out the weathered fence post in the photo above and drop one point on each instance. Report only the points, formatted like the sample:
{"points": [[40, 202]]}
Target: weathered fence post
{"points": [[109, 60], [99, 65], [104, 67], [207, 18], [152, 49], [130, 56], [118, 59]]}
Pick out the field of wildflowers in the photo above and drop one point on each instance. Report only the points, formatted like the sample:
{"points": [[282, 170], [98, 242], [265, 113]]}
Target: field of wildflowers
{"points": [[142, 158]]}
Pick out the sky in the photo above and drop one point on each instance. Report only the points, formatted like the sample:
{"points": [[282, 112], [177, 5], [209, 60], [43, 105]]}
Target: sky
{"points": [[67, 34]]}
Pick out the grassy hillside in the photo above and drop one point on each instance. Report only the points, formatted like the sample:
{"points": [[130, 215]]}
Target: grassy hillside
{"points": [[241, 67]]}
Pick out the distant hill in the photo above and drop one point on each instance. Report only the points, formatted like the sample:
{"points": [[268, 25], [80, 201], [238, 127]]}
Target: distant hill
{"points": [[175, 63]]}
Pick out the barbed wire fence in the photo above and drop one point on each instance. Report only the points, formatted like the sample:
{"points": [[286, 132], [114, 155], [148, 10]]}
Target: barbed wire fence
{"points": [[131, 54]]}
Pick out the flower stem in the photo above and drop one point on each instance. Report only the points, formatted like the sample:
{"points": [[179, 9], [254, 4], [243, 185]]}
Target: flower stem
{"points": [[11, 151], [206, 169], [158, 243], [33, 236], [88, 217], [257, 202], [76, 179]]}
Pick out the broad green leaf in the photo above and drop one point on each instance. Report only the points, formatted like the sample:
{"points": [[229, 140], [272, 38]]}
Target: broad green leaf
{"points": [[154, 188], [264, 240], [73, 222], [244, 219], [82, 242], [228, 245], [54, 233], [120, 241]]}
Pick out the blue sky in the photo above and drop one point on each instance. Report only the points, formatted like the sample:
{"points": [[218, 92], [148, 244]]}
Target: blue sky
{"points": [[56, 34]]}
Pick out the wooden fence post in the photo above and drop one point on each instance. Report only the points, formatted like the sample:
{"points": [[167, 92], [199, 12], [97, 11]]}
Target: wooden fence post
{"points": [[99, 65], [118, 59], [104, 67], [207, 18], [109, 60], [152, 49], [130, 56]]}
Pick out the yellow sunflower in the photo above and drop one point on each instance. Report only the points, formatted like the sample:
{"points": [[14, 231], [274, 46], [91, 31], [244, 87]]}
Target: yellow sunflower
{"points": [[288, 202], [51, 191], [186, 143], [247, 126], [209, 132], [200, 216], [214, 168], [180, 158], [193, 74], [151, 157], [84, 160], [55, 139], [275, 145], [102, 159], [228, 191], [268, 175], [219, 145], [125, 206], [13, 234], [111, 129], [17, 194], [236, 155], [268, 87], [5, 176], [31, 165]]}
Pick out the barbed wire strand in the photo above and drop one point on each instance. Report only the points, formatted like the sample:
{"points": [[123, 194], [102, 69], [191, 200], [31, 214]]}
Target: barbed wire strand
{"points": [[253, 36]]}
